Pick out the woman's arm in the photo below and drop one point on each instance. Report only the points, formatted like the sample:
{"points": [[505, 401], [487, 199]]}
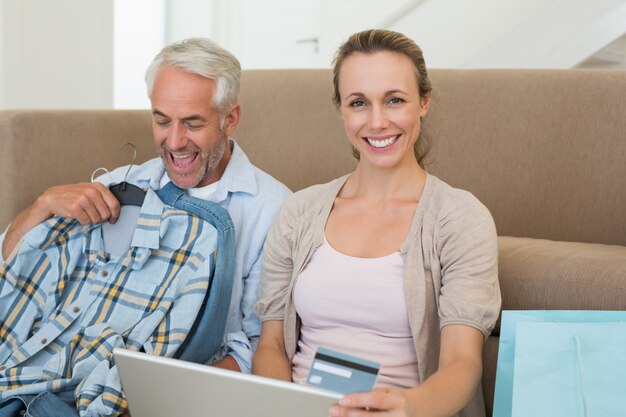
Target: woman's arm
{"points": [[443, 394], [270, 358]]}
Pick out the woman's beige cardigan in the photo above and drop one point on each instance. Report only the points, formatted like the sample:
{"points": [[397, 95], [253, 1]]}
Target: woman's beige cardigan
{"points": [[450, 266]]}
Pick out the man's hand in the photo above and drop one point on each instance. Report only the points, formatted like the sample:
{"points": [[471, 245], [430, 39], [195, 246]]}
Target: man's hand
{"points": [[88, 203], [228, 363]]}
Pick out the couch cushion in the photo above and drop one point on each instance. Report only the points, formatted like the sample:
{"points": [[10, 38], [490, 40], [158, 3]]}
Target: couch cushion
{"points": [[538, 274]]}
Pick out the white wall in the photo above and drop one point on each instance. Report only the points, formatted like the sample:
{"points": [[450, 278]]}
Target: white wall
{"points": [[57, 54], [218, 20], [73, 54], [341, 18], [139, 34], [483, 33], [513, 33], [262, 34], [279, 33], [191, 18]]}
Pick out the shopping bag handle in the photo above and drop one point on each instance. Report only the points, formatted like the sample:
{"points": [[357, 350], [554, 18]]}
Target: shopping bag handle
{"points": [[581, 384]]}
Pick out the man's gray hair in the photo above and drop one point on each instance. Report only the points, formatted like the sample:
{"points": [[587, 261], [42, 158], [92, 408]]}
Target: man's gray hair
{"points": [[203, 57]]}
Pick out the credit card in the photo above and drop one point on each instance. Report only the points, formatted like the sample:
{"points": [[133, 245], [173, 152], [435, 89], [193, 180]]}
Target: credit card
{"points": [[342, 373]]}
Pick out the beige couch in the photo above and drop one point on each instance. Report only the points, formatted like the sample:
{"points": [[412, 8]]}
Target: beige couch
{"points": [[544, 150]]}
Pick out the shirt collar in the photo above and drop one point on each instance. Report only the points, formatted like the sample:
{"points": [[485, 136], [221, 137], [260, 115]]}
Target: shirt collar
{"points": [[239, 175], [146, 237], [148, 229]]}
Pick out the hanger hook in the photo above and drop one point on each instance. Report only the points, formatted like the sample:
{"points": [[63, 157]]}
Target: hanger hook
{"points": [[93, 174], [134, 157]]}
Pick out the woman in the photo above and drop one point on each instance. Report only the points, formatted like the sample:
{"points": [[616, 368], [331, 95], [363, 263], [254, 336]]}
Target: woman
{"points": [[388, 263]]}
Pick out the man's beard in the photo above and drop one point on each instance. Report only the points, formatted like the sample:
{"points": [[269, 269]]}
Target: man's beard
{"points": [[209, 161]]}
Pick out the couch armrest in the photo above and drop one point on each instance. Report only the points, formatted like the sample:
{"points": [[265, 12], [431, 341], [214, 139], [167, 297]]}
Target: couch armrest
{"points": [[537, 274]]}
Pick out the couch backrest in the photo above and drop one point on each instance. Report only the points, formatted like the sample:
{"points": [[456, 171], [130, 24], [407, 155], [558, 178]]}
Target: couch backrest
{"points": [[544, 150], [42, 148]]}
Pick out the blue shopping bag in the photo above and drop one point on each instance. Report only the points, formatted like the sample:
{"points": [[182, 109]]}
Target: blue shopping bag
{"points": [[569, 369], [601, 323]]}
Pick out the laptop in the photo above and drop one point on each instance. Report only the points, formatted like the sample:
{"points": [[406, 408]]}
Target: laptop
{"points": [[163, 387]]}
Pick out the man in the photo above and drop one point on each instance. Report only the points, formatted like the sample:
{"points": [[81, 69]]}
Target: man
{"points": [[193, 87]]}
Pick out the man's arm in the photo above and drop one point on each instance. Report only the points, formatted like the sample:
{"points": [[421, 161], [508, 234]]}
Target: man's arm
{"points": [[88, 203], [241, 344], [228, 362]]}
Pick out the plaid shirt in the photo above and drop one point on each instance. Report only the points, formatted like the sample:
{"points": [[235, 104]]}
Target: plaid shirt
{"points": [[65, 303]]}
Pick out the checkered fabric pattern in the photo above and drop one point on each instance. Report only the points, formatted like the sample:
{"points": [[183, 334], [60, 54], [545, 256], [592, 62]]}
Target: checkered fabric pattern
{"points": [[65, 303]]}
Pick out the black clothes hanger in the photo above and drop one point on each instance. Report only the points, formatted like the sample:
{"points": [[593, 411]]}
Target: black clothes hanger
{"points": [[126, 193]]}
